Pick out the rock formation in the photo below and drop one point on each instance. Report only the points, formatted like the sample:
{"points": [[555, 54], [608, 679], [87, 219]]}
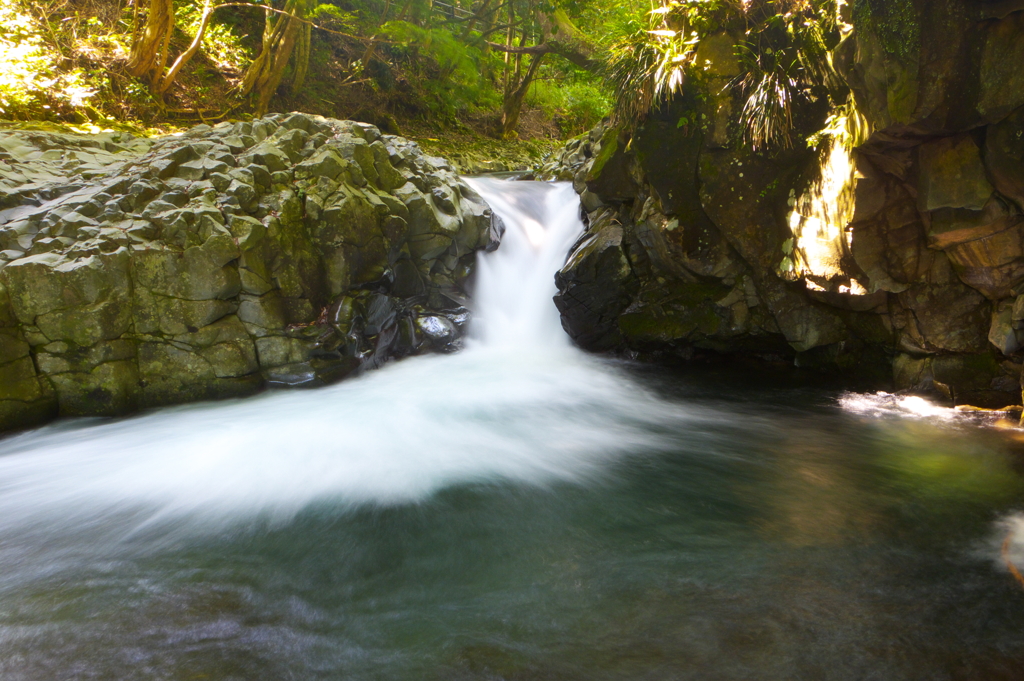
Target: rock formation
{"points": [[290, 250], [894, 247]]}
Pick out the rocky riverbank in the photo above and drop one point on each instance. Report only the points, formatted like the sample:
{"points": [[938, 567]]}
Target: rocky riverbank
{"points": [[290, 250], [891, 247]]}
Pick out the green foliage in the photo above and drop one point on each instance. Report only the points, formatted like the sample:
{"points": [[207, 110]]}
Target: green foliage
{"points": [[65, 59], [845, 126], [222, 43], [339, 18], [767, 115], [547, 96], [332, 17], [607, 22], [575, 106], [425, 62], [32, 83], [783, 48], [649, 65], [448, 69], [783, 58], [585, 105]]}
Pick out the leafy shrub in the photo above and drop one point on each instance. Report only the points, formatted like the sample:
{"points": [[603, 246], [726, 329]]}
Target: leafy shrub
{"points": [[783, 48], [546, 96], [649, 65], [575, 106], [450, 70], [782, 61], [586, 104]]}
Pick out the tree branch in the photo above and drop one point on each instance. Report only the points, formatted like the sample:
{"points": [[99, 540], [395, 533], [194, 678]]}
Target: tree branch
{"points": [[569, 51], [300, 20], [167, 80], [523, 49]]}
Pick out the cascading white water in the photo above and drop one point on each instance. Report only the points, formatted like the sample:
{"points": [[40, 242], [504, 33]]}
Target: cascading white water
{"points": [[513, 306], [518, 404]]}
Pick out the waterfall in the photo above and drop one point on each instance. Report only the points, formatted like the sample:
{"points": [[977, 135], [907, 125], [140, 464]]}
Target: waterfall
{"points": [[516, 283], [518, 404]]}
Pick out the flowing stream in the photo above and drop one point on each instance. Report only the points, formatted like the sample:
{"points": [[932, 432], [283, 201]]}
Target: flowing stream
{"points": [[519, 510]]}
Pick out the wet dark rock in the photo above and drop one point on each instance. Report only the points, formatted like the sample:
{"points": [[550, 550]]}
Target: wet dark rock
{"points": [[595, 287], [380, 314], [440, 331], [1004, 157]]}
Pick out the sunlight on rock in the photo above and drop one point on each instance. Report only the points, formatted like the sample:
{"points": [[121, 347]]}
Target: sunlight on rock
{"points": [[820, 215]]}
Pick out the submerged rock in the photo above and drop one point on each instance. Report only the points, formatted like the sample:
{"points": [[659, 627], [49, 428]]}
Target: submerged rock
{"points": [[290, 250]]}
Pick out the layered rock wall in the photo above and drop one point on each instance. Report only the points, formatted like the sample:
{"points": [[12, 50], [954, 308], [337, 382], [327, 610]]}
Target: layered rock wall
{"points": [[289, 250], [892, 247]]}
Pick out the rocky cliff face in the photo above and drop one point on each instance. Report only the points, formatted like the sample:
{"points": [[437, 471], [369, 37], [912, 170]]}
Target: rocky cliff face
{"points": [[291, 250], [895, 247]]}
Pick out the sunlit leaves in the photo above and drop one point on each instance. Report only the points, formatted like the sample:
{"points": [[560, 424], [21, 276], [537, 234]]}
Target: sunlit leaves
{"points": [[783, 56], [451, 69], [649, 66], [783, 47], [31, 80], [221, 44]]}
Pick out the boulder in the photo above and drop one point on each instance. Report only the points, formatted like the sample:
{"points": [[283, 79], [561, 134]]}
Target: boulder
{"points": [[1004, 157], [896, 239], [608, 176], [206, 265], [1000, 80], [595, 286], [949, 318], [994, 263], [951, 175]]}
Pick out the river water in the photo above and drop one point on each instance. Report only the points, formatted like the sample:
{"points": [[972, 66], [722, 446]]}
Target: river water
{"points": [[522, 511]]}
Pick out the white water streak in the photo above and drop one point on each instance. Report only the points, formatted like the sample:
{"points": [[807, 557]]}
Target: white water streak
{"points": [[888, 404]]}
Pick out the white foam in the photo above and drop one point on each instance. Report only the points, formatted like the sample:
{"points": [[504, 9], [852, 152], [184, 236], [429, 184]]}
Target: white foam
{"points": [[1008, 543], [887, 404]]}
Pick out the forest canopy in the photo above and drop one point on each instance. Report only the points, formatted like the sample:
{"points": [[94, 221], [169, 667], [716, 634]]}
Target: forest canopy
{"points": [[505, 68]]}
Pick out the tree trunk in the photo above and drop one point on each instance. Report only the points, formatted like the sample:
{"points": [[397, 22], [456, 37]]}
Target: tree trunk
{"points": [[562, 36], [509, 36], [300, 64], [149, 53], [480, 15], [559, 36], [512, 106], [266, 72], [163, 82]]}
